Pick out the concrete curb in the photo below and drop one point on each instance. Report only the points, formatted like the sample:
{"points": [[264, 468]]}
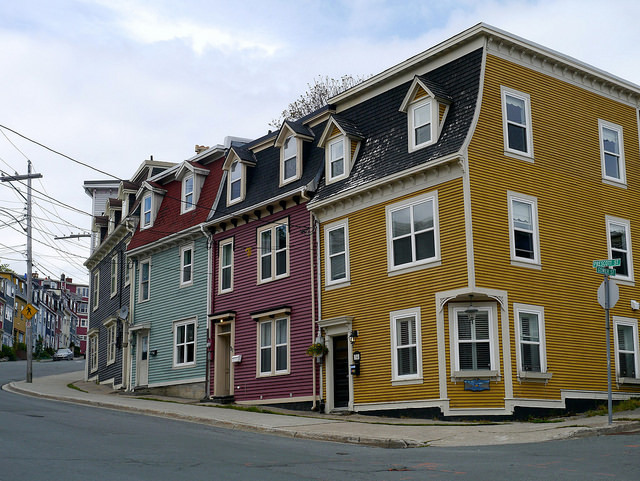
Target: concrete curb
{"points": [[388, 443]]}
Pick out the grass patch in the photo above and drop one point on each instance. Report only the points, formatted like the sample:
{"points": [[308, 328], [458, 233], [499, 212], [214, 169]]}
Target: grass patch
{"points": [[618, 406], [73, 386], [160, 400]]}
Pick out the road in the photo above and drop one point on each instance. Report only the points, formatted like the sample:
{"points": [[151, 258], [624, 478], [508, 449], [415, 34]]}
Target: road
{"points": [[41, 439]]}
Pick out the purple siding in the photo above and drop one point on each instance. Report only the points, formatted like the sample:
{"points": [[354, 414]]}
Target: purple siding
{"points": [[249, 297]]}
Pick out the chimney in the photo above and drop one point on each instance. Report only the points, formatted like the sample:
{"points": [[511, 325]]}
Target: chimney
{"points": [[200, 148]]}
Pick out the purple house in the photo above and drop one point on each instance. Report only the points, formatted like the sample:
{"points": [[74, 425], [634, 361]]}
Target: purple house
{"points": [[263, 274]]}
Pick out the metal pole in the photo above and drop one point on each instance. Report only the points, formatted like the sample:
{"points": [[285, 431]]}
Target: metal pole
{"points": [[606, 309], [29, 287]]}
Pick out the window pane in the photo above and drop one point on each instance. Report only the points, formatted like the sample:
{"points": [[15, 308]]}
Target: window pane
{"points": [[190, 353], [226, 278], [402, 251], [625, 337], [281, 263], [265, 241], [515, 110], [423, 216], [610, 141], [235, 189], [281, 331], [289, 147], [531, 357], [180, 354], [481, 324], [338, 267], [290, 168], [407, 361], [464, 327], [281, 237], [281, 358], [265, 334], [401, 222], [517, 137], [422, 115], [483, 358], [265, 360], [529, 327], [423, 134], [611, 166], [618, 236], [190, 332], [425, 245], [226, 255], [337, 150], [265, 264], [336, 241], [337, 168], [522, 215], [180, 334], [524, 244], [627, 365]]}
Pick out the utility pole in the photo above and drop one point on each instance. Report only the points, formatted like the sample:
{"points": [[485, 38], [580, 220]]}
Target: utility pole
{"points": [[29, 332]]}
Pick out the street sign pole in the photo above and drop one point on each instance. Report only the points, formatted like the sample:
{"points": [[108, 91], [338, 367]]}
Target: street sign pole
{"points": [[606, 310]]}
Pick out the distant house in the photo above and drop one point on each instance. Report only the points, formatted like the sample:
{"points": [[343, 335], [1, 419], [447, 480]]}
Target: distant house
{"points": [[110, 274], [457, 240], [263, 269], [170, 255]]}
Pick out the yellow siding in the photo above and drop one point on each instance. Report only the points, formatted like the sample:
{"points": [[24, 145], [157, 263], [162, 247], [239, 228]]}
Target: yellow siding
{"points": [[442, 109], [335, 131], [373, 294], [354, 146], [420, 93], [565, 177]]}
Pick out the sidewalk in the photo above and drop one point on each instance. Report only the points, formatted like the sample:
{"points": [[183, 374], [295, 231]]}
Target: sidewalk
{"points": [[358, 429]]}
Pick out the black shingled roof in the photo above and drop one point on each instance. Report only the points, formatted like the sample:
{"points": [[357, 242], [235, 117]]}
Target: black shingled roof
{"points": [[385, 149]]}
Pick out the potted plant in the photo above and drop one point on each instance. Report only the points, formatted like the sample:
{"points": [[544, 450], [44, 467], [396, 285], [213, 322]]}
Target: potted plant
{"points": [[317, 350]]}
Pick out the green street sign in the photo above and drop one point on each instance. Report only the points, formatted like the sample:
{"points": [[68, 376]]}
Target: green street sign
{"points": [[606, 271], [607, 263]]}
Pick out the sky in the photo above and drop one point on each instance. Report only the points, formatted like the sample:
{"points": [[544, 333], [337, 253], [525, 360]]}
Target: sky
{"points": [[109, 83]]}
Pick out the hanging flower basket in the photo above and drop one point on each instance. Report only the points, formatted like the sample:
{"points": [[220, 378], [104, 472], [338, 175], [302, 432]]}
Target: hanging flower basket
{"points": [[317, 350]]}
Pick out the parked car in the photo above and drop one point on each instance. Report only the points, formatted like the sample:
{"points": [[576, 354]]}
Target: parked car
{"points": [[63, 353]]}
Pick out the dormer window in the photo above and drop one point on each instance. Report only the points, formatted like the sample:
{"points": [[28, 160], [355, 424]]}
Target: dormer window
{"points": [[336, 159], [146, 211], [289, 159], [341, 141], [421, 116], [187, 194], [235, 182], [426, 105]]}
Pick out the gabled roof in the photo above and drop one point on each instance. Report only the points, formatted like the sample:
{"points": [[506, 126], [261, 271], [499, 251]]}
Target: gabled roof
{"points": [[241, 153], [432, 89], [346, 126], [296, 128]]}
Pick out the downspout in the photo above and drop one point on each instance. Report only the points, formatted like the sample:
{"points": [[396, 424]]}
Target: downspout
{"points": [[207, 385], [314, 406], [131, 319], [319, 288]]}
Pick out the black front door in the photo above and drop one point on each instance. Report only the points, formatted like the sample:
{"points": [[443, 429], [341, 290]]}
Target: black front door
{"points": [[340, 372]]}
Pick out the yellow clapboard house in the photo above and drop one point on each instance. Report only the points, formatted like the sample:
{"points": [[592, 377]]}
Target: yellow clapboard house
{"points": [[467, 192]]}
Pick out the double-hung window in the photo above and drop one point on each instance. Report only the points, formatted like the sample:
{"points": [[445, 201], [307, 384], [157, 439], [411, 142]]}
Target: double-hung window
{"points": [[523, 229], [226, 265], [612, 152], [235, 182], [273, 344], [111, 341], [145, 278], [93, 352], [412, 232], [146, 210], [619, 243], [420, 124], [336, 153], [474, 340], [95, 293], [516, 122], [184, 343], [626, 348], [273, 262], [337, 253], [186, 265], [531, 353], [289, 159], [187, 194], [114, 275], [406, 355]]}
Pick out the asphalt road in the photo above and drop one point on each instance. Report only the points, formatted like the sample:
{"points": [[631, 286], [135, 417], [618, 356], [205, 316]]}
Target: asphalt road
{"points": [[41, 439]]}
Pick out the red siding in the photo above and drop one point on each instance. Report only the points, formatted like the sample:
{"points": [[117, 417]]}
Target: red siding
{"points": [[248, 297]]}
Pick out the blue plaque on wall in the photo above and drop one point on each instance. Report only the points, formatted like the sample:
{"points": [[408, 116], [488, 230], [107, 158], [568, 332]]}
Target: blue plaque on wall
{"points": [[476, 385]]}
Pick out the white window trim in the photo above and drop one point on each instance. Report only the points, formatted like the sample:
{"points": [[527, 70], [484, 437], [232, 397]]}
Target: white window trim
{"points": [[176, 325], [528, 155], [342, 224], [95, 293], [539, 311], [112, 332], [183, 249], [396, 379], [242, 179], [273, 228], [622, 181], [422, 264], [434, 123], [93, 352], [456, 373], [273, 371], [140, 299], [143, 224], [627, 225], [127, 272], [522, 261], [298, 156], [633, 323], [345, 159], [184, 205], [221, 246], [113, 275]]}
